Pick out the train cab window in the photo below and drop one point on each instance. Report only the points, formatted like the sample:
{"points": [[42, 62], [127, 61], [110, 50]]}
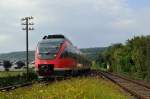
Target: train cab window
{"points": [[49, 48]]}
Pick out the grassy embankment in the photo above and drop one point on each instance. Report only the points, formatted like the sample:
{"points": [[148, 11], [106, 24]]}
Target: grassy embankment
{"points": [[75, 88], [15, 77]]}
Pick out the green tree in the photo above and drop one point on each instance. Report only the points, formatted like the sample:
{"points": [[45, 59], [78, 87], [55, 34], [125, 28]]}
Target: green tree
{"points": [[20, 64], [132, 58], [7, 64]]}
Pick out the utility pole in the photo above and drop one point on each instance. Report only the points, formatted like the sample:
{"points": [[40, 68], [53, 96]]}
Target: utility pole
{"points": [[27, 28]]}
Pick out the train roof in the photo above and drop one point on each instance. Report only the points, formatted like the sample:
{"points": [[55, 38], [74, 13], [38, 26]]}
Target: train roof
{"points": [[56, 36], [52, 40], [59, 36]]}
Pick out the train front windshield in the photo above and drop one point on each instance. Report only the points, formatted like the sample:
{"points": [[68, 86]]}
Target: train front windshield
{"points": [[49, 48]]}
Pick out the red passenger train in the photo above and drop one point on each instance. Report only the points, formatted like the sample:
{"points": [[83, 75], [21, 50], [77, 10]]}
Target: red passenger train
{"points": [[55, 55]]}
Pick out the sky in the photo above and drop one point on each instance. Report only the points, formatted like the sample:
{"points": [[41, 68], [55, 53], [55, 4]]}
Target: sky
{"points": [[87, 23]]}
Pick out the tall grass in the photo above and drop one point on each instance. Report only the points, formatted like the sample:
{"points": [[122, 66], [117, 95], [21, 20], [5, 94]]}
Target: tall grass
{"points": [[75, 88], [10, 73]]}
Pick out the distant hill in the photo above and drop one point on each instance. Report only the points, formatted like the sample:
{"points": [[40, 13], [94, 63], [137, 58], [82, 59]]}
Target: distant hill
{"points": [[92, 53], [21, 55], [15, 56]]}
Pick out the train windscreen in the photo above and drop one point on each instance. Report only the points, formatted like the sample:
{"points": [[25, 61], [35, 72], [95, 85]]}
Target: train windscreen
{"points": [[49, 48]]}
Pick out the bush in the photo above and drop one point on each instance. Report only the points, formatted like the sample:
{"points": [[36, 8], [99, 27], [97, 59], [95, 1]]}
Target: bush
{"points": [[20, 64], [18, 79]]}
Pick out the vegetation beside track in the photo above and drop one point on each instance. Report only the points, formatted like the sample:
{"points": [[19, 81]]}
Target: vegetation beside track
{"points": [[131, 58], [10, 73], [75, 88], [15, 77]]}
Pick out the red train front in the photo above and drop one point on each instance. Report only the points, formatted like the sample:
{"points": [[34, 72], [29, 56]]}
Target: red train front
{"points": [[56, 55]]}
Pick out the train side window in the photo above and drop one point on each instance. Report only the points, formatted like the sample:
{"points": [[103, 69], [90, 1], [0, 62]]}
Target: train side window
{"points": [[68, 52], [65, 53]]}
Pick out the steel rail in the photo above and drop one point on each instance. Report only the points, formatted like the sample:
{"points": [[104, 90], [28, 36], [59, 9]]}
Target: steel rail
{"points": [[135, 93]]}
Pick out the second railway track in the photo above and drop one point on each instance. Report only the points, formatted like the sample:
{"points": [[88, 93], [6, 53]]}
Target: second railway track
{"points": [[139, 90]]}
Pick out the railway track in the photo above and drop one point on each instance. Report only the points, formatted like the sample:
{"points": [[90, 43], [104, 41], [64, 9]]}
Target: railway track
{"points": [[12, 87], [137, 89]]}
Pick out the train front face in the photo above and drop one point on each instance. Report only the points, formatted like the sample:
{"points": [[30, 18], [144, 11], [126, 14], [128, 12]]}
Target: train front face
{"points": [[47, 57]]}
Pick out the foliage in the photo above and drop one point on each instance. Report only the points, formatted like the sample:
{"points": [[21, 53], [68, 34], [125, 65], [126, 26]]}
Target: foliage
{"points": [[7, 65], [132, 58], [20, 64], [92, 53], [75, 88], [16, 78], [10, 73]]}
